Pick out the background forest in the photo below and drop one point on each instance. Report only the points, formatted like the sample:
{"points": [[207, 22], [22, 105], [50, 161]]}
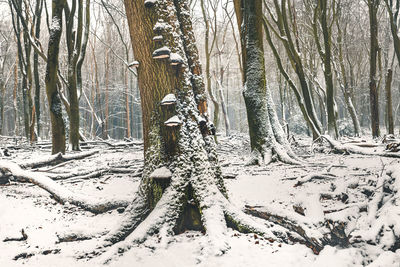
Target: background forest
{"points": [[109, 101]]}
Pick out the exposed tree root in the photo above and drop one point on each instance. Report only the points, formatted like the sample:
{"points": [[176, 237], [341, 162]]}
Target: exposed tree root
{"points": [[314, 176], [293, 226], [60, 194], [383, 214], [353, 149]]}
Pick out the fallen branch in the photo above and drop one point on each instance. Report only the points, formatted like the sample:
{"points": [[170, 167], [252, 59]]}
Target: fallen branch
{"points": [[347, 149], [57, 158], [23, 238], [314, 176], [61, 194]]}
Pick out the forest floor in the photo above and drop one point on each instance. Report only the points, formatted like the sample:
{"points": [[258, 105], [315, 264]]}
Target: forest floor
{"points": [[44, 221]]}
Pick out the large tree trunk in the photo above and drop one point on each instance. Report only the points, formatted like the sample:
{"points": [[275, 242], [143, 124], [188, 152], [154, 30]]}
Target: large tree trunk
{"points": [[266, 135], [53, 98], [182, 186]]}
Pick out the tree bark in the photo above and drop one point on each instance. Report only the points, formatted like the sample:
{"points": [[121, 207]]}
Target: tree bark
{"points": [[326, 56], [389, 106], [267, 138], [373, 6], [54, 101]]}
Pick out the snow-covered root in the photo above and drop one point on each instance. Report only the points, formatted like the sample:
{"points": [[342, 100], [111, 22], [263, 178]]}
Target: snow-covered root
{"points": [[135, 214], [213, 218], [312, 238], [284, 155], [273, 152], [348, 148], [57, 158], [381, 227], [61, 194], [161, 220]]}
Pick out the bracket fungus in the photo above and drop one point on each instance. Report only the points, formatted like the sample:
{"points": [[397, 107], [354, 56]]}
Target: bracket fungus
{"points": [[162, 173], [176, 59], [162, 52], [169, 99], [158, 38], [173, 121], [134, 64], [149, 3]]}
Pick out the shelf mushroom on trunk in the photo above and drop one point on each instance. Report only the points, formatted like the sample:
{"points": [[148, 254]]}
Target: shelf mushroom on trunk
{"points": [[176, 59], [162, 52], [169, 99], [162, 176], [173, 122]]}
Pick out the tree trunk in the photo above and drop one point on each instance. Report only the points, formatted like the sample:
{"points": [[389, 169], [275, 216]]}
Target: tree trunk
{"points": [[106, 112], [38, 15], [373, 6], [127, 109], [76, 40], [326, 58], [267, 138], [304, 100], [54, 101], [389, 106], [182, 186], [208, 52]]}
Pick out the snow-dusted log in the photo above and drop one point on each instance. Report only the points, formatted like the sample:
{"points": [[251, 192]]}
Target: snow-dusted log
{"points": [[352, 149], [61, 194], [56, 159]]}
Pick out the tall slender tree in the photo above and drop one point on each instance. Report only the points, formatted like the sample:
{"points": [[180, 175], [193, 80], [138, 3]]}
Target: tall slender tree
{"points": [[373, 6], [53, 98]]}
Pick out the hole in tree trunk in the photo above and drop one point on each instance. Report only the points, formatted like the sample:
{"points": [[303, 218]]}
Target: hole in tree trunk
{"points": [[190, 218]]}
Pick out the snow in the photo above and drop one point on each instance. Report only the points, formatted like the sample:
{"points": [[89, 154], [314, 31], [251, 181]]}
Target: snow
{"points": [[55, 24], [28, 207]]}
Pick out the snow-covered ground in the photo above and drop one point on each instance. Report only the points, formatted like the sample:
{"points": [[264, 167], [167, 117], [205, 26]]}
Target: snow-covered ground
{"points": [[24, 206]]}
